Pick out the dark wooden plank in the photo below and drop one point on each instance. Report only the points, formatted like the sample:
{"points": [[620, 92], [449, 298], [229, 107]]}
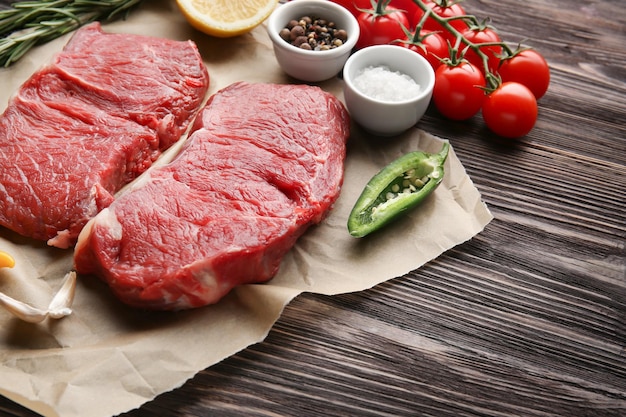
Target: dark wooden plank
{"points": [[527, 319]]}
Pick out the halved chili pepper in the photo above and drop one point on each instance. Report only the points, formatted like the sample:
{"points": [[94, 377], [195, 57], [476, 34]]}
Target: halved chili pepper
{"points": [[400, 186]]}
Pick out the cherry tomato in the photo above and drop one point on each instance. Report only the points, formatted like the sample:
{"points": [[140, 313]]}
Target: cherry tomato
{"points": [[430, 45], [444, 9], [357, 6], [527, 67], [511, 110], [354, 5], [483, 35], [381, 27], [458, 94], [410, 9]]}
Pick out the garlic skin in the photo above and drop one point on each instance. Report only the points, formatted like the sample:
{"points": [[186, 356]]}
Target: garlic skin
{"points": [[59, 307]]}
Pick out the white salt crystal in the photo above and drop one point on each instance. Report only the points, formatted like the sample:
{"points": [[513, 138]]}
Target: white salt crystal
{"points": [[381, 83]]}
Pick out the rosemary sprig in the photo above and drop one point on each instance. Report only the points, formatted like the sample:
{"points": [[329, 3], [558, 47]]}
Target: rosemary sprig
{"points": [[30, 23]]}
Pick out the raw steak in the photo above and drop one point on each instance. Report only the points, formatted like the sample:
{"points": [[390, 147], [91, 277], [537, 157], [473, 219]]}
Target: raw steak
{"points": [[90, 122], [263, 164]]}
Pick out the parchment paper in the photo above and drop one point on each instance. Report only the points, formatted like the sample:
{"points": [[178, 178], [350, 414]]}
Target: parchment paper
{"points": [[74, 366]]}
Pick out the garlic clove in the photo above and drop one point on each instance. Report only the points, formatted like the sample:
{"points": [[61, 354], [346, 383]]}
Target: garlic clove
{"points": [[59, 306], [22, 310]]}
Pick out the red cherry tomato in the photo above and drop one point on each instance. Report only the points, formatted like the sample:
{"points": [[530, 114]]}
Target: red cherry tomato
{"points": [[510, 111], [410, 9], [357, 6], [381, 27], [483, 35], [430, 45], [354, 5], [458, 94], [446, 10], [527, 67]]}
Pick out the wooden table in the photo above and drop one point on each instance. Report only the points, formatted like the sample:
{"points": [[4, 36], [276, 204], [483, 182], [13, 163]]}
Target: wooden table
{"points": [[527, 319]]}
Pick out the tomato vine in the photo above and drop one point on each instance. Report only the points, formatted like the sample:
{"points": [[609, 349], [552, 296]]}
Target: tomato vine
{"points": [[474, 68], [510, 105], [459, 38]]}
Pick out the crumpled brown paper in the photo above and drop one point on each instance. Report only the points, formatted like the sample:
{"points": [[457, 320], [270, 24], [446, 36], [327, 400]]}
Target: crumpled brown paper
{"points": [[73, 366]]}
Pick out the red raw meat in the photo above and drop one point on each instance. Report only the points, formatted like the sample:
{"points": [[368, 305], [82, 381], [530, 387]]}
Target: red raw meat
{"points": [[264, 163], [90, 122]]}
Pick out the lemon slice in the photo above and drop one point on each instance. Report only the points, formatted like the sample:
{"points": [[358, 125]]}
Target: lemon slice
{"points": [[226, 18]]}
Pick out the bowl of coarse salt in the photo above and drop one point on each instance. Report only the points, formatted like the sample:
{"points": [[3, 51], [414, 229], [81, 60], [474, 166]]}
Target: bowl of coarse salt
{"points": [[387, 88]]}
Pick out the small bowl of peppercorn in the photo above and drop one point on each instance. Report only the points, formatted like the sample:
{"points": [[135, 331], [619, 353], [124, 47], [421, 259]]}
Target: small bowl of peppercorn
{"points": [[312, 38]]}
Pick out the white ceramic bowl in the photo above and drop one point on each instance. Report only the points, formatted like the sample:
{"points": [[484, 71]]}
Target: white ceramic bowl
{"points": [[311, 65], [386, 117]]}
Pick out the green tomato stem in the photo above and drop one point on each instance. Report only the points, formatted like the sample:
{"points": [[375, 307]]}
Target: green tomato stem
{"points": [[492, 79]]}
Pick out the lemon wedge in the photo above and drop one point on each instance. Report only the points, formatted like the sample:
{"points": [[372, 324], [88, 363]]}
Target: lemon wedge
{"points": [[226, 18]]}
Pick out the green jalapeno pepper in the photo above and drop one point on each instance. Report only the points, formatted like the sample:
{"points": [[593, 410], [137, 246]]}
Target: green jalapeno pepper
{"points": [[400, 186]]}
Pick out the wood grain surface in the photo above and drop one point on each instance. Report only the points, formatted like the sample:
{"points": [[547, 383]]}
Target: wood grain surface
{"points": [[527, 319]]}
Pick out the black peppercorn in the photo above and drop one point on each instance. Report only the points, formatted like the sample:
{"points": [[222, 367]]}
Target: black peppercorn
{"points": [[313, 33]]}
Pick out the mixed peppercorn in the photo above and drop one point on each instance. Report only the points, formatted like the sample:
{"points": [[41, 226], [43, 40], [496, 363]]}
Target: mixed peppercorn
{"points": [[313, 33]]}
